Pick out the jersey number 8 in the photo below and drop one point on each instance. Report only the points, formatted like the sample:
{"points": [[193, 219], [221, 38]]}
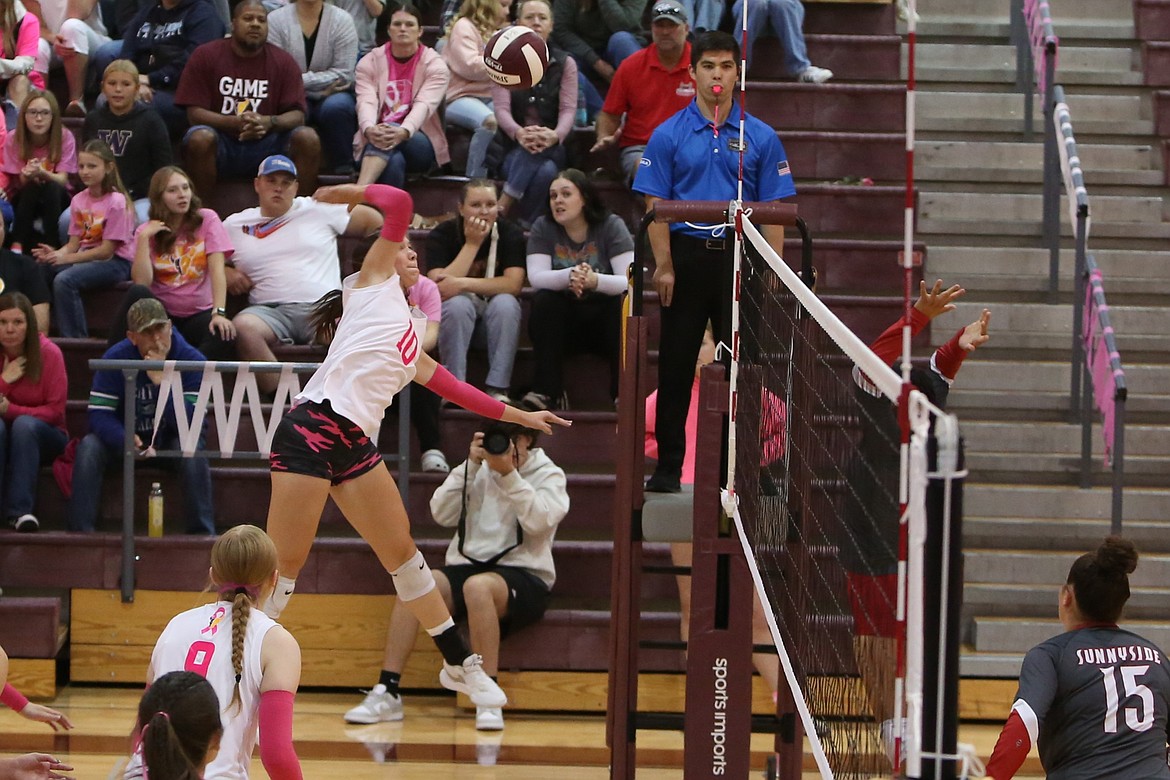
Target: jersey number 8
{"points": [[1129, 676]]}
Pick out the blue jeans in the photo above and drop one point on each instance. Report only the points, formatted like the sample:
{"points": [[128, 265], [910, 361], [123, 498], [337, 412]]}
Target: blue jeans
{"points": [[471, 113], [528, 176], [102, 56], [71, 280], [593, 99], [704, 14], [621, 45], [787, 20], [89, 468], [335, 118], [233, 156], [495, 320], [25, 444], [416, 155]]}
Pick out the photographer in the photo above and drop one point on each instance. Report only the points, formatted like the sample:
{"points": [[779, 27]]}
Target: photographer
{"points": [[505, 502]]}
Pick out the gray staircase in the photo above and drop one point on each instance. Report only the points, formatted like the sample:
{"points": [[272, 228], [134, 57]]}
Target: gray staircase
{"points": [[979, 184]]}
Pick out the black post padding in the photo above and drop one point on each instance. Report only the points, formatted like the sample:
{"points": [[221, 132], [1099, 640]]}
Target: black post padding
{"points": [[940, 665]]}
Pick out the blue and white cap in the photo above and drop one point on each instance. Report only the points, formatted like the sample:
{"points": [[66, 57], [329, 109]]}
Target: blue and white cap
{"points": [[277, 163]]}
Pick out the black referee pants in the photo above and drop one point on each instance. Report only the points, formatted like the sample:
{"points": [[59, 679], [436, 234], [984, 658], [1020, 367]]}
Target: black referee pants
{"points": [[703, 270]]}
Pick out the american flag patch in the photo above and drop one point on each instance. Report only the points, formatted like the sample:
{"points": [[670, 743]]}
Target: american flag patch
{"points": [[782, 168]]}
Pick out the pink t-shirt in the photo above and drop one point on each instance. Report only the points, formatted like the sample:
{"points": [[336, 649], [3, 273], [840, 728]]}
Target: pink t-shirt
{"points": [[181, 278], [399, 87], [425, 296], [13, 163], [107, 218]]}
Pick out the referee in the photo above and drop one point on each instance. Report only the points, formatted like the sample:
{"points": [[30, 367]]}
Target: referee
{"points": [[692, 157]]}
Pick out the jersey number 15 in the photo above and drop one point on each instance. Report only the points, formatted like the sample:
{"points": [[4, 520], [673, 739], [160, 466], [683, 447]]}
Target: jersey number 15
{"points": [[1137, 719]]}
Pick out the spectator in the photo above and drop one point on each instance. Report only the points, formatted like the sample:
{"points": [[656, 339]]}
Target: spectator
{"points": [[178, 729], [787, 20], [285, 259], [323, 41], [422, 295], [469, 96], [477, 260], [179, 259], [365, 15], [245, 102], [400, 87], [38, 159], [99, 251], [69, 29], [252, 662], [704, 14], [15, 701], [536, 121], [149, 336], [20, 274], [578, 256], [159, 41], [649, 87], [599, 34], [20, 31], [33, 388], [134, 132], [499, 569]]}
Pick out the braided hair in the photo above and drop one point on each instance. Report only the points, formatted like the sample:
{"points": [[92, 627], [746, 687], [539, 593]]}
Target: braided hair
{"points": [[178, 719], [243, 561]]}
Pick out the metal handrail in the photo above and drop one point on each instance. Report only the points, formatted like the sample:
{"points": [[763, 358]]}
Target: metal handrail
{"points": [[1037, 46], [130, 453]]}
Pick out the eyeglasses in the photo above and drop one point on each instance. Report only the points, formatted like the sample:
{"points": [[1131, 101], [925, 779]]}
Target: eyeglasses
{"points": [[666, 10], [40, 113]]}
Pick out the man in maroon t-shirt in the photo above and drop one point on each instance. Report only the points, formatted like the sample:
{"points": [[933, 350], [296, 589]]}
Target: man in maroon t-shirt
{"points": [[245, 100], [649, 86]]}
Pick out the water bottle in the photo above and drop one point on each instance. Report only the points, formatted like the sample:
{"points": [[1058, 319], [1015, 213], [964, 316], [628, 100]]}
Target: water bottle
{"points": [[582, 117], [154, 510]]}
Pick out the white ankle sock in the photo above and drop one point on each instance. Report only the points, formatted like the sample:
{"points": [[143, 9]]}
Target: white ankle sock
{"points": [[280, 596]]}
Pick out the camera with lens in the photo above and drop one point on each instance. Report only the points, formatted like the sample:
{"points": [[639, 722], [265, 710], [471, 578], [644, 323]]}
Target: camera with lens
{"points": [[497, 437]]}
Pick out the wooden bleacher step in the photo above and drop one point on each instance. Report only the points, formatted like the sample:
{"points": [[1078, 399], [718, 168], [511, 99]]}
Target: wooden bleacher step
{"points": [[33, 636]]}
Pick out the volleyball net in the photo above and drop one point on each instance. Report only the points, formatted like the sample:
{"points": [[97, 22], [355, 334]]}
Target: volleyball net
{"points": [[844, 482]]}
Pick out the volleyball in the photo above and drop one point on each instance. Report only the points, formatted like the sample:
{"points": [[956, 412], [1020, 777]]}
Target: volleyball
{"points": [[516, 57]]}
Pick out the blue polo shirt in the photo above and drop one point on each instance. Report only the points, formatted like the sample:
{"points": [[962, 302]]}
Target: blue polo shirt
{"points": [[684, 160]]}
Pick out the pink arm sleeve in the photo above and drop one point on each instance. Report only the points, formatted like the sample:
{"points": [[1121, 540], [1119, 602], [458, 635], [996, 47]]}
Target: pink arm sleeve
{"points": [[396, 206], [443, 383], [276, 745], [12, 698], [567, 109], [502, 107]]}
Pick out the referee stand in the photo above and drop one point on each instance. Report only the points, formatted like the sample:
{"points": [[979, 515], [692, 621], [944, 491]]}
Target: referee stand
{"points": [[717, 720]]}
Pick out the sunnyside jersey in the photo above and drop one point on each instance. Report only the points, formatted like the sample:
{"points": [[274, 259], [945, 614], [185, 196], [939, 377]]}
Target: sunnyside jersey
{"points": [[200, 640], [373, 356], [1094, 702]]}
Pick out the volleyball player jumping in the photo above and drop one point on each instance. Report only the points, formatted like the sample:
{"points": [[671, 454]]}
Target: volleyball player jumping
{"points": [[326, 446]]}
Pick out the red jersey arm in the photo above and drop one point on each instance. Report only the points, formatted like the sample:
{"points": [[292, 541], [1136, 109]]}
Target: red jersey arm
{"points": [[948, 358], [888, 346], [1011, 749]]}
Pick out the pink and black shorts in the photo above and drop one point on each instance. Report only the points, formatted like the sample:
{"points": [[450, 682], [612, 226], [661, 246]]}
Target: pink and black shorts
{"points": [[316, 441]]}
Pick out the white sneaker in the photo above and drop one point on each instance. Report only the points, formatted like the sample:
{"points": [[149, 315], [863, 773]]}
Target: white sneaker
{"points": [[489, 719], [814, 75], [379, 706], [26, 524], [471, 679], [435, 461], [500, 395]]}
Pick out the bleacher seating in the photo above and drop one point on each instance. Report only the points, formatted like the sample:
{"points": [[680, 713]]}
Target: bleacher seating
{"points": [[850, 128]]}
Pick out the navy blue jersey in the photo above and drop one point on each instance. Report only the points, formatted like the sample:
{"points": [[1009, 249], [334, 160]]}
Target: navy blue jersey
{"points": [[686, 160], [1094, 702]]}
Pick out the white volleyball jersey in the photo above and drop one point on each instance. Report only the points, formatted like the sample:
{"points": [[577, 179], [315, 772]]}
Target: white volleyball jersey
{"points": [[200, 640], [373, 356]]}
